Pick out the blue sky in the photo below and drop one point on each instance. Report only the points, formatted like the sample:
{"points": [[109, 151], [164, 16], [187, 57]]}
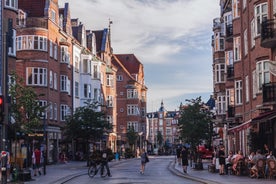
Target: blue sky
{"points": [[172, 38]]}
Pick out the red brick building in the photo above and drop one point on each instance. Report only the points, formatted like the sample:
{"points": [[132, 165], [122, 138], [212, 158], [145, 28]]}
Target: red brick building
{"points": [[243, 68]]}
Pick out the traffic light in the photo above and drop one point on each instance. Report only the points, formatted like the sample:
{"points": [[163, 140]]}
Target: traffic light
{"points": [[1, 108]]}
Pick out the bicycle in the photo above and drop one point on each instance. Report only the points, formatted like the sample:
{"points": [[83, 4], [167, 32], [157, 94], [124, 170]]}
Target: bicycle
{"points": [[95, 167]]}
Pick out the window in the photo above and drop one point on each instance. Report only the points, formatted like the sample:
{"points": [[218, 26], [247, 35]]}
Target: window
{"points": [[238, 90], [219, 42], [132, 93], [76, 89], [237, 48], [96, 73], [219, 73], [132, 110], [168, 131], [260, 13], [21, 18], [86, 66], [109, 80], [87, 91], [246, 89], [51, 49], [12, 51], [110, 101], [31, 42], [55, 111], [253, 33], [77, 64], [244, 2], [43, 103], [254, 84], [55, 81], [65, 55], [36, 76], [230, 97], [53, 15], [63, 83], [133, 125], [119, 78], [13, 4], [51, 84], [55, 51], [263, 74], [227, 21], [245, 42], [235, 8], [64, 111], [221, 104], [50, 110], [97, 95], [229, 57]]}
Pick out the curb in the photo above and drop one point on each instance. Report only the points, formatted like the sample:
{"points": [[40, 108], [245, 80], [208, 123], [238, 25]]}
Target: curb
{"points": [[176, 172]]}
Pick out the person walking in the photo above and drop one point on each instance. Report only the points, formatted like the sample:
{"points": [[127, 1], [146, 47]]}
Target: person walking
{"points": [[184, 156], [144, 160], [178, 155], [221, 155], [36, 161], [105, 163]]}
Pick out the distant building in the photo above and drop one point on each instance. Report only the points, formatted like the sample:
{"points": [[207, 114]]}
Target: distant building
{"points": [[165, 122]]}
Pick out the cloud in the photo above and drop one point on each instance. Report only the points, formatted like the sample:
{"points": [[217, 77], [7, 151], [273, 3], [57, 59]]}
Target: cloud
{"points": [[172, 38]]}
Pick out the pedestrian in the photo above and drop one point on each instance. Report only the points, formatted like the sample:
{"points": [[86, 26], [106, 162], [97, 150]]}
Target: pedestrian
{"points": [[105, 163], [144, 160], [178, 155], [36, 157], [184, 156], [221, 155], [229, 162]]}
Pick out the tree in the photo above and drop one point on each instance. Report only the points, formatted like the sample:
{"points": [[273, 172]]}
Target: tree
{"points": [[25, 109], [132, 137], [159, 138], [87, 124], [194, 123]]}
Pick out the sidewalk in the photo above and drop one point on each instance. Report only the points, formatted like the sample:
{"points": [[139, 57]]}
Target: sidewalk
{"points": [[214, 178]]}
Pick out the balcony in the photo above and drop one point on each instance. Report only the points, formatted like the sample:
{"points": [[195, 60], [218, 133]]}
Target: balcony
{"points": [[269, 92], [230, 72], [231, 111], [268, 36], [229, 32], [37, 22]]}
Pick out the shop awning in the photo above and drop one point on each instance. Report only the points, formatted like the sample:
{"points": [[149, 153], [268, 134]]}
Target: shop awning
{"points": [[240, 127], [264, 117]]}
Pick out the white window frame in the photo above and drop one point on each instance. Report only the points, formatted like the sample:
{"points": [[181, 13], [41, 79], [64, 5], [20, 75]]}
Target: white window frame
{"points": [[12, 4], [246, 88], [238, 92], [253, 33], [263, 74], [237, 48], [64, 111], [51, 81], [235, 8], [221, 104], [87, 90], [119, 77], [64, 55], [245, 42], [229, 58], [55, 81], [220, 73], [260, 15], [55, 111], [77, 93], [109, 80], [31, 42], [12, 49], [132, 109], [63, 83], [132, 93], [110, 101], [133, 124], [36, 76], [230, 97]]}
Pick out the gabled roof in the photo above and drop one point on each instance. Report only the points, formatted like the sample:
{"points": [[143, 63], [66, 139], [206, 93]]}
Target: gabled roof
{"points": [[130, 62], [101, 38]]}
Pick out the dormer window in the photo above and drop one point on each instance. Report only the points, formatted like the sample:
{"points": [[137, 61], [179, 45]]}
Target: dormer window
{"points": [[21, 19]]}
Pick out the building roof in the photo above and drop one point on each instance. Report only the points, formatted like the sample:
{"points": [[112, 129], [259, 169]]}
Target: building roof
{"points": [[130, 62]]}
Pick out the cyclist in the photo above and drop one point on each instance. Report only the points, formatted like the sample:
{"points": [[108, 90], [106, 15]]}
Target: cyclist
{"points": [[105, 162]]}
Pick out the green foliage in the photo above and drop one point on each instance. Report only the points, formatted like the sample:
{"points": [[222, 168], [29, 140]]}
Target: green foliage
{"points": [[25, 110], [87, 123], [159, 138], [131, 136], [194, 123]]}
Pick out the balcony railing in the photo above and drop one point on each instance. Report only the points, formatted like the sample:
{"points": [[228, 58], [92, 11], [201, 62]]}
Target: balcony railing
{"points": [[230, 72], [231, 111], [269, 92], [268, 36], [37, 22], [229, 32]]}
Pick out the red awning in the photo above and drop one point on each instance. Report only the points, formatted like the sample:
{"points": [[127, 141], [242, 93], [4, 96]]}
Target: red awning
{"points": [[264, 117], [239, 127]]}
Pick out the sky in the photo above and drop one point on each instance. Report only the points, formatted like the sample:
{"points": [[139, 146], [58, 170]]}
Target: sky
{"points": [[171, 38]]}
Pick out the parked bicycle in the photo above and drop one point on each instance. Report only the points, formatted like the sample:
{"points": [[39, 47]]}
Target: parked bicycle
{"points": [[95, 167]]}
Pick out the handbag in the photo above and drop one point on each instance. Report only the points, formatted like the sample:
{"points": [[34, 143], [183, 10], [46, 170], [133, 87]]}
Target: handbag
{"points": [[147, 159]]}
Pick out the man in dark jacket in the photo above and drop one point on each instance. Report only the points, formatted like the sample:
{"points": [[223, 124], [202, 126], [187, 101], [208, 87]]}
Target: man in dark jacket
{"points": [[105, 163]]}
